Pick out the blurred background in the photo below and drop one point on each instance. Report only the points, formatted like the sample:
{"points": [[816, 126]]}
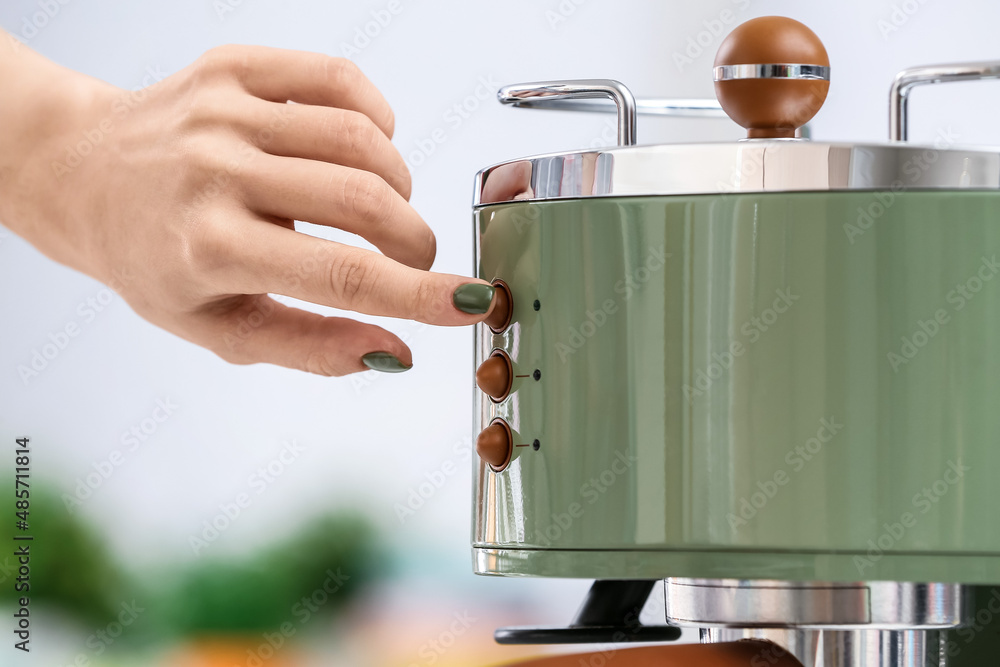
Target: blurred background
{"points": [[191, 512]]}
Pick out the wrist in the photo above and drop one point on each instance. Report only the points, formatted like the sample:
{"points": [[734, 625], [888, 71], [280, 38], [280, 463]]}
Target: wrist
{"points": [[45, 113]]}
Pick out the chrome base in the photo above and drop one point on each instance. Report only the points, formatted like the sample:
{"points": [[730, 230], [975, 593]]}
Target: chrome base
{"points": [[847, 648], [862, 624]]}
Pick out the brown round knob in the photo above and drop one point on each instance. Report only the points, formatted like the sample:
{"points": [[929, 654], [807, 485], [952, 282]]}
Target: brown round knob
{"points": [[495, 444], [499, 317], [495, 375], [772, 75]]}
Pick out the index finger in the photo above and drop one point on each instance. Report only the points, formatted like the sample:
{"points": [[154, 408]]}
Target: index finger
{"points": [[281, 75], [272, 259]]}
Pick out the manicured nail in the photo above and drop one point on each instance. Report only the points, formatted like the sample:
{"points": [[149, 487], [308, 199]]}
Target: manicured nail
{"points": [[384, 362], [474, 298]]}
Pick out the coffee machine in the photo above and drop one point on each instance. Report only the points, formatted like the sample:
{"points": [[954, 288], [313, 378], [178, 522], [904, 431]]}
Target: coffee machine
{"points": [[762, 375]]}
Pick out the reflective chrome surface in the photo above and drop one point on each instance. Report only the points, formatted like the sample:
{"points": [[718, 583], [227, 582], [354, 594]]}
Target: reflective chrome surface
{"points": [[854, 624], [760, 165], [916, 76], [848, 648], [644, 106], [543, 93], [882, 605], [772, 71]]}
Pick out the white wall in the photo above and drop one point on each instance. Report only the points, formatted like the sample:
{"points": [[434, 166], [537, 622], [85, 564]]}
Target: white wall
{"points": [[366, 444]]}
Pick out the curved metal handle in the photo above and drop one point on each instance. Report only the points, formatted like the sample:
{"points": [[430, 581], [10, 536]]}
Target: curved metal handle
{"points": [[916, 76], [545, 93]]}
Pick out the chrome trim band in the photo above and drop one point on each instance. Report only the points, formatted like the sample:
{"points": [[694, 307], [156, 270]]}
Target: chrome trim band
{"points": [[772, 71], [880, 605], [759, 165]]}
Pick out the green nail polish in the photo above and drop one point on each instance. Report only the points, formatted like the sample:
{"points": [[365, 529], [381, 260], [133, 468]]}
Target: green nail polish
{"points": [[474, 298], [384, 362]]}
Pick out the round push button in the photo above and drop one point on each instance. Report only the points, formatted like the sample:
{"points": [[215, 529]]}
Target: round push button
{"points": [[495, 444], [499, 319], [495, 375]]}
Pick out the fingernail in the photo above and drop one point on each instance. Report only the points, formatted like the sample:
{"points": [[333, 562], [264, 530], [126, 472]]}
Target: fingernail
{"points": [[474, 298], [384, 362]]}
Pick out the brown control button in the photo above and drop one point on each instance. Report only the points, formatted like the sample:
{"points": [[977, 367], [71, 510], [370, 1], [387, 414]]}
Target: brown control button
{"points": [[499, 318], [495, 444], [495, 375]]}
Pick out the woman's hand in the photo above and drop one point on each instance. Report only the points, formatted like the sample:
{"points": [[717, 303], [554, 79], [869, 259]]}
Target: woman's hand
{"points": [[182, 198]]}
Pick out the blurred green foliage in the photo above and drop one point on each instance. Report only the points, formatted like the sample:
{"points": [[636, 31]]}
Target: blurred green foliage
{"points": [[70, 566], [312, 572]]}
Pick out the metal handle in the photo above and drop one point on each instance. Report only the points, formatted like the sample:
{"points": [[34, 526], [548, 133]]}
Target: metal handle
{"points": [[544, 93], [916, 76], [593, 95]]}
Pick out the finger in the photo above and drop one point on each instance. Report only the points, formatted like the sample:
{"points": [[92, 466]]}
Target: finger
{"points": [[280, 75], [259, 329], [350, 199], [336, 136], [266, 258]]}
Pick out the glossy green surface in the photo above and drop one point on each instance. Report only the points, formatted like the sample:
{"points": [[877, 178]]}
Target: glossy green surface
{"points": [[762, 386]]}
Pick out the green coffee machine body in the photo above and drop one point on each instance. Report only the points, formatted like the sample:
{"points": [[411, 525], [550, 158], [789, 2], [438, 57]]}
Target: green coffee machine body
{"points": [[763, 374]]}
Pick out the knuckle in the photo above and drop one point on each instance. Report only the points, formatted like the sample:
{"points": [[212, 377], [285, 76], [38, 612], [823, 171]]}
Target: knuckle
{"points": [[368, 198], [427, 301], [212, 165], [207, 249], [351, 277], [342, 73], [228, 58], [359, 134]]}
